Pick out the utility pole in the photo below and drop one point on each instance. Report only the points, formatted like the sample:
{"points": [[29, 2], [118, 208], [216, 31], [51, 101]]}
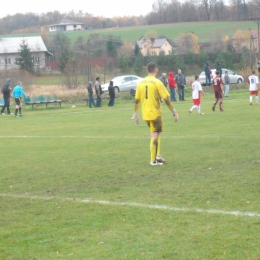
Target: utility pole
{"points": [[89, 60]]}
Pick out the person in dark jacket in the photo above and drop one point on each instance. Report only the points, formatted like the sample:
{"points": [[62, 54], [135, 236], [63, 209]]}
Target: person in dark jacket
{"points": [[219, 69], [90, 95], [181, 83], [111, 92], [207, 71], [6, 90], [163, 79]]}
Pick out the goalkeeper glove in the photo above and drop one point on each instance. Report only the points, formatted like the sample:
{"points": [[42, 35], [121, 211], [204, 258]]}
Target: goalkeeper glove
{"points": [[175, 114], [135, 118]]}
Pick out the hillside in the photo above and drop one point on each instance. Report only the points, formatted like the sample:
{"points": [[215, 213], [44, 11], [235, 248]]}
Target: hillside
{"points": [[204, 30]]}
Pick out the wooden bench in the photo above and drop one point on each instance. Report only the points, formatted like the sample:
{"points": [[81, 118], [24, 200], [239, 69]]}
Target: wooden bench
{"points": [[102, 98]]}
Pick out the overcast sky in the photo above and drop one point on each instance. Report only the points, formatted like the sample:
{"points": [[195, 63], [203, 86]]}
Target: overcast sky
{"points": [[106, 8]]}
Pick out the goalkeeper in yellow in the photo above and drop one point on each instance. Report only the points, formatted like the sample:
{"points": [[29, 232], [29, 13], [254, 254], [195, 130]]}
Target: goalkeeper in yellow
{"points": [[149, 93]]}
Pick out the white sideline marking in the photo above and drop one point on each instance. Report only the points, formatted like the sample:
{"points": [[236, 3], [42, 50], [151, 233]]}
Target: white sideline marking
{"points": [[141, 205], [125, 137]]}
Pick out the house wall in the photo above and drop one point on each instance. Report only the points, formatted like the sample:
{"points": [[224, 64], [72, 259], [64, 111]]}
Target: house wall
{"points": [[146, 46], [69, 27], [7, 60]]}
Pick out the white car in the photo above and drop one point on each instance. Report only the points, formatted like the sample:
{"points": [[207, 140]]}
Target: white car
{"points": [[234, 78], [123, 83]]}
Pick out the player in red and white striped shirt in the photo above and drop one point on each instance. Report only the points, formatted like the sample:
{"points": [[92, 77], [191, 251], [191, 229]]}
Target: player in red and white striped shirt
{"points": [[253, 87], [196, 92]]}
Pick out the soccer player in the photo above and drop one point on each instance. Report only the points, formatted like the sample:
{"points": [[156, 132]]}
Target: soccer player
{"points": [[253, 87], [219, 91], [17, 94], [196, 92], [149, 92]]}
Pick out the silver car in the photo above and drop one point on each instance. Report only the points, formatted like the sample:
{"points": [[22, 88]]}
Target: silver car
{"points": [[234, 78], [123, 83]]}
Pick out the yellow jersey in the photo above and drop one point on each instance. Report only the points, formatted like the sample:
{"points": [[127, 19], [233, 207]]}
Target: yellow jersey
{"points": [[149, 91]]}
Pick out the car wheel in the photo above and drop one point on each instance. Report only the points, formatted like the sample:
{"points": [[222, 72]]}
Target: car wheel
{"points": [[116, 89], [239, 81]]}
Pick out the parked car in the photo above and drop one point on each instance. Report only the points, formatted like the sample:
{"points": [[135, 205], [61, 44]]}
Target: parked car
{"points": [[234, 78], [123, 83]]}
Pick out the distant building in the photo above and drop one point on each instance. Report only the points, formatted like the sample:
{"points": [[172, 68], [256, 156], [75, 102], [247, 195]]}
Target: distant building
{"points": [[154, 46], [65, 25], [249, 41], [9, 51]]}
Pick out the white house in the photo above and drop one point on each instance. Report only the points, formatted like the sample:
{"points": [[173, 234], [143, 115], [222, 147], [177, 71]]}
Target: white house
{"points": [[155, 45], [65, 25], [9, 51]]}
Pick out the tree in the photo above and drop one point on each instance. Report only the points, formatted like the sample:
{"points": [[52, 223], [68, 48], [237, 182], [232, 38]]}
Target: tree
{"points": [[25, 60], [188, 43], [62, 50], [202, 58], [136, 50], [124, 63], [138, 64]]}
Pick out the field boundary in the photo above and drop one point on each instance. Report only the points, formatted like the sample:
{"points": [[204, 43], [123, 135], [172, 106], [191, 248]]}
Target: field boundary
{"points": [[140, 205]]}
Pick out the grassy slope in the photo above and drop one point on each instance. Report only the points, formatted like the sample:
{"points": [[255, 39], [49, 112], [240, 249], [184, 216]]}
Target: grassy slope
{"points": [[130, 34], [78, 153]]}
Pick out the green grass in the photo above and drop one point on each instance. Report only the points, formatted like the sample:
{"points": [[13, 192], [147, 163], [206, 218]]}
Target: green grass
{"points": [[203, 30], [52, 159]]}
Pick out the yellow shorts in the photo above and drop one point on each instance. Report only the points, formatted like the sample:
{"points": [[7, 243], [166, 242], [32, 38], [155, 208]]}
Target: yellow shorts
{"points": [[155, 125]]}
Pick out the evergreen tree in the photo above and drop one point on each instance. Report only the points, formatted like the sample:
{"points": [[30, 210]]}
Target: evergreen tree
{"points": [[136, 50], [138, 64], [25, 60]]}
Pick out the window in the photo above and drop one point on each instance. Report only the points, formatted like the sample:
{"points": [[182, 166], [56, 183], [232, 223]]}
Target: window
{"points": [[7, 61], [74, 26], [36, 59]]}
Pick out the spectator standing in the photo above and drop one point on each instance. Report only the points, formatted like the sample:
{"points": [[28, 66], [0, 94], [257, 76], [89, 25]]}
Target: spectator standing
{"points": [[172, 86], [207, 71], [258, 67], [253, 87], [196, 93], [98, 93], [163, 79], [111, 92], [181, 83], [219, 92], [226, 83], [6, 90], [90, 94], [219, 68], [17, 94]]}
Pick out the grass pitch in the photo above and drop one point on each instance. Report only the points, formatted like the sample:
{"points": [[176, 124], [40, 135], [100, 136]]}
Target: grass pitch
{"points": [[76, 183]]}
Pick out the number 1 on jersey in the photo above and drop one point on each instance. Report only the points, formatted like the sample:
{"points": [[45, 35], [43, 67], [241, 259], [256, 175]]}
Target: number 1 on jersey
{"points": [[146, 92]]}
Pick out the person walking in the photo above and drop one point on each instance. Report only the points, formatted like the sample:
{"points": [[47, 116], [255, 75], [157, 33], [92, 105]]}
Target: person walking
{"points": [[6, 90], [111, 93], [207, 71], [17, 94], [90, 95], [163, 79], [226, 83], [253, 87], [196, 93], [149, 92], [172, 86], [219, 92], [181, 83], [98, 92]]}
